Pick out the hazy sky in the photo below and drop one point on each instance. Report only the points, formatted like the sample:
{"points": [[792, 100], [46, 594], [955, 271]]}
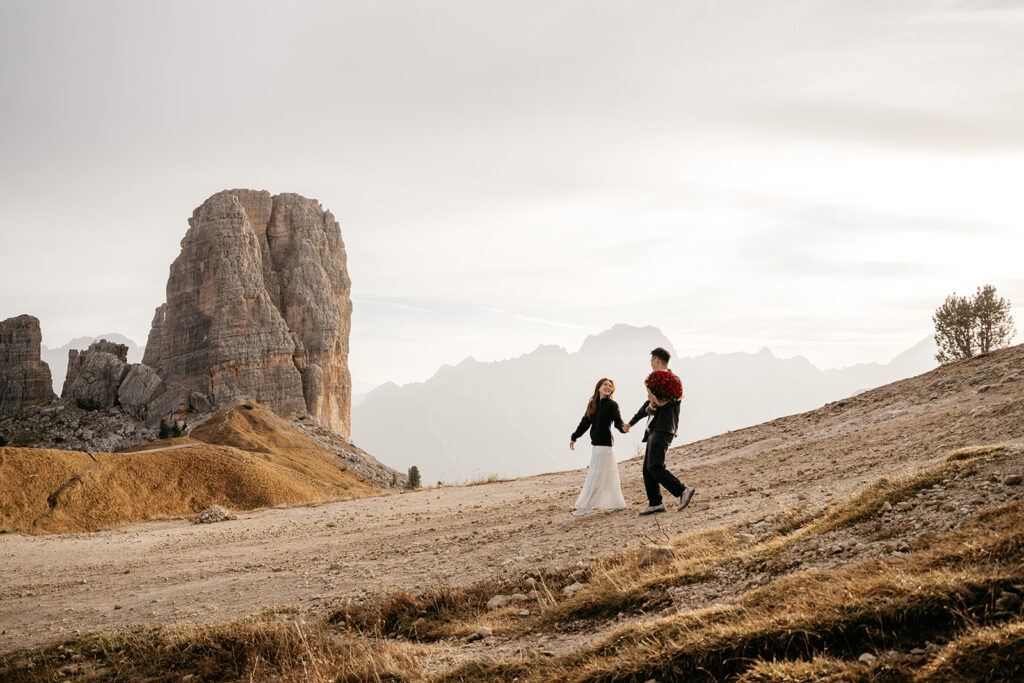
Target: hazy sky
{"points": [[810, 176]]}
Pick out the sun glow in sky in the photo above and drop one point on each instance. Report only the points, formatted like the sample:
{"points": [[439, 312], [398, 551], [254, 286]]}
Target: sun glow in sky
{"points": [[810, 176]]}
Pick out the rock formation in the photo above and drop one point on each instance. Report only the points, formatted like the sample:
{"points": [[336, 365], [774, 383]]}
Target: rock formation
{"points": [[257, 307], [24, 378], [95, 375]]}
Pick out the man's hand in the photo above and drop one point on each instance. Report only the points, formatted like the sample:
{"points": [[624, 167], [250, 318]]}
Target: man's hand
{"points": [[572, 445], [625, 428]]}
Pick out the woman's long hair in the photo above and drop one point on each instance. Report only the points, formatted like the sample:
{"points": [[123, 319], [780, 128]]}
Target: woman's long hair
{"points": [[592, 403]]}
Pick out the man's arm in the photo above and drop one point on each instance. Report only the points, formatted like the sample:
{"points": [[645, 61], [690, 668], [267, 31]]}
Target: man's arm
{"points": [[640, 414]]}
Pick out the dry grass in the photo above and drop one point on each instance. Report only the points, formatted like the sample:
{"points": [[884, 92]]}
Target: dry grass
{"points": [[254, 649], [870, 500], [241, 459]]}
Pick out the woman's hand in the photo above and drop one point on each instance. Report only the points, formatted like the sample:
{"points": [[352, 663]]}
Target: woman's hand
{"points": [[572, 445]]}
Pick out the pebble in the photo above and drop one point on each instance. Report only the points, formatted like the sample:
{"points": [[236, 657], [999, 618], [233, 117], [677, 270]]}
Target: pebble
{"points": [[867, 658], [498, 601], [1012, 480], [572, 589]]}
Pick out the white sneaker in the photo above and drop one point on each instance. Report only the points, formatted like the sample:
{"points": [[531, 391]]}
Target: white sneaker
{"points": [[580, 513]]}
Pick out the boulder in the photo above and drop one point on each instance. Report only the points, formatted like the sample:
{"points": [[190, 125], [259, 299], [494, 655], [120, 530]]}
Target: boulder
{"points": [[653, 554], [95, 375], [140, 387], [25, 379], [258, 308]]}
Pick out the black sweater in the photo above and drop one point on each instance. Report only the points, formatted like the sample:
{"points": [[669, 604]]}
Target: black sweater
{"points": [[665, 418], [600, 423]]}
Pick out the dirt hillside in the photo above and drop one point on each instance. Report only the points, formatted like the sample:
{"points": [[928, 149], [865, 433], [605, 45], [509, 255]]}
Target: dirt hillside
{"points": [[322, 557], [243, 458]]}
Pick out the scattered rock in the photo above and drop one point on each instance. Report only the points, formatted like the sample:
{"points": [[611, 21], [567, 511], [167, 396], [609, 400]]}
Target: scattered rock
{"points": [[572, 589], [481, 633], [653, 554], [1012, 480], [213, 514], [867, 658], [498, 601], [887, 507], [1008, 602]]}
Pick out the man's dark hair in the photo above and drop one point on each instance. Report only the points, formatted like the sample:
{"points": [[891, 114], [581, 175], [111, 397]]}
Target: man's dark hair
{"points": [[662, 354]]}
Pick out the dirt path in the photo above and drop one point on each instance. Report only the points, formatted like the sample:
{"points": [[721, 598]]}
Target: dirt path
{"points": [[55, 587]]}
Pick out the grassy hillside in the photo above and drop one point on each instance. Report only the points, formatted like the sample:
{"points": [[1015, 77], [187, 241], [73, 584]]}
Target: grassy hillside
{"points": [[243, 458], [719, 604]]}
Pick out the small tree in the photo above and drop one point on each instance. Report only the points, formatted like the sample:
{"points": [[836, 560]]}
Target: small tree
{"points": [[965, 327], [3, 441], [994, 322], [414, 478], [165, 429]]}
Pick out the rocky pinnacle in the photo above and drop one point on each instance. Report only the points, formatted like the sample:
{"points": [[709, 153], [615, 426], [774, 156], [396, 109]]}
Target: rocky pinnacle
{"points": [[258, 307]]}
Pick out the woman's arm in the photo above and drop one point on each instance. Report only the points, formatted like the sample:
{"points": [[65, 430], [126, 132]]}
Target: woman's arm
{"points": [[583, 426], [617, 417]]}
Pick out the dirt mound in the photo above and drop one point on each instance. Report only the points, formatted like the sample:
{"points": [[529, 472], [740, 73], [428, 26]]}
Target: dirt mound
{"points": [[243, 458]]}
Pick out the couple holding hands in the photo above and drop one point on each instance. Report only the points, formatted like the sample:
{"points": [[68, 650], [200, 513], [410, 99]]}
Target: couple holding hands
{"points": [[601, 488]]}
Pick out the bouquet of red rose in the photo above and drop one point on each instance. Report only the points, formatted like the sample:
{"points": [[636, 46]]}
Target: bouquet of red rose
{"points": [[664, 386]]}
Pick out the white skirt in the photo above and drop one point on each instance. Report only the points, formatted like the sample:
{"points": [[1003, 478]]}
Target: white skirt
{"points": [[601, 489]]}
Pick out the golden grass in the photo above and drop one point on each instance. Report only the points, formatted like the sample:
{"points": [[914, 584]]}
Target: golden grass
{"points": [[870, 500], [252, 649], [210, 467]]}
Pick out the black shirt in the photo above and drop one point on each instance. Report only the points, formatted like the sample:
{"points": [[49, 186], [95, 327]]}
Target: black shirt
{"points": [[665, 418], [600, 423]]}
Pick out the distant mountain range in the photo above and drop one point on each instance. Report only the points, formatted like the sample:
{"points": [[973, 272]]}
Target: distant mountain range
{"points": [[57, 358], [514, 417]]}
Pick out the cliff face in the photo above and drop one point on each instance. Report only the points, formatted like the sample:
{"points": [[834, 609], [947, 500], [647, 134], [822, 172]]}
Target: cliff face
{"points": [[24, 378], [258, 307]]}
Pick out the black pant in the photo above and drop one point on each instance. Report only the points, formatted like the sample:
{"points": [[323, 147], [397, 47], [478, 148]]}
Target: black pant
{"points": [[655, 473]]}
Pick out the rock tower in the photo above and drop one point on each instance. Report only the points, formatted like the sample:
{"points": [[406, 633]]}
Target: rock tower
{"points": [[258, 306], [24, 378]]}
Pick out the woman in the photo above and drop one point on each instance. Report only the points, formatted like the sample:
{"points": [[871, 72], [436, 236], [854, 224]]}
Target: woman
{"points": [[601, 489]]}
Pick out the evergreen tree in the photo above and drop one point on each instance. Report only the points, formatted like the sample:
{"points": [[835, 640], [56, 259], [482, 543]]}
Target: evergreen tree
{"points": [[165, 429], [965, 327], [414, 477], [993, 320]]}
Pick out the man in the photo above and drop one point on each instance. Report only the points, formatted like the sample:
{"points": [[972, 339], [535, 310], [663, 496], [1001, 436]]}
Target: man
{"points": [[661, 429]]}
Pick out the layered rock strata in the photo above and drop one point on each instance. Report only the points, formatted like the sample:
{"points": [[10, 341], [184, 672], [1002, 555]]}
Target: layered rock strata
{"points": [[257, 307], [24, 378]]}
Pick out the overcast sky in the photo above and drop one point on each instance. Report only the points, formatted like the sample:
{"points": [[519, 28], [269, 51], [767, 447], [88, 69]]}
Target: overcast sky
{"points": [[810, 176]]}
